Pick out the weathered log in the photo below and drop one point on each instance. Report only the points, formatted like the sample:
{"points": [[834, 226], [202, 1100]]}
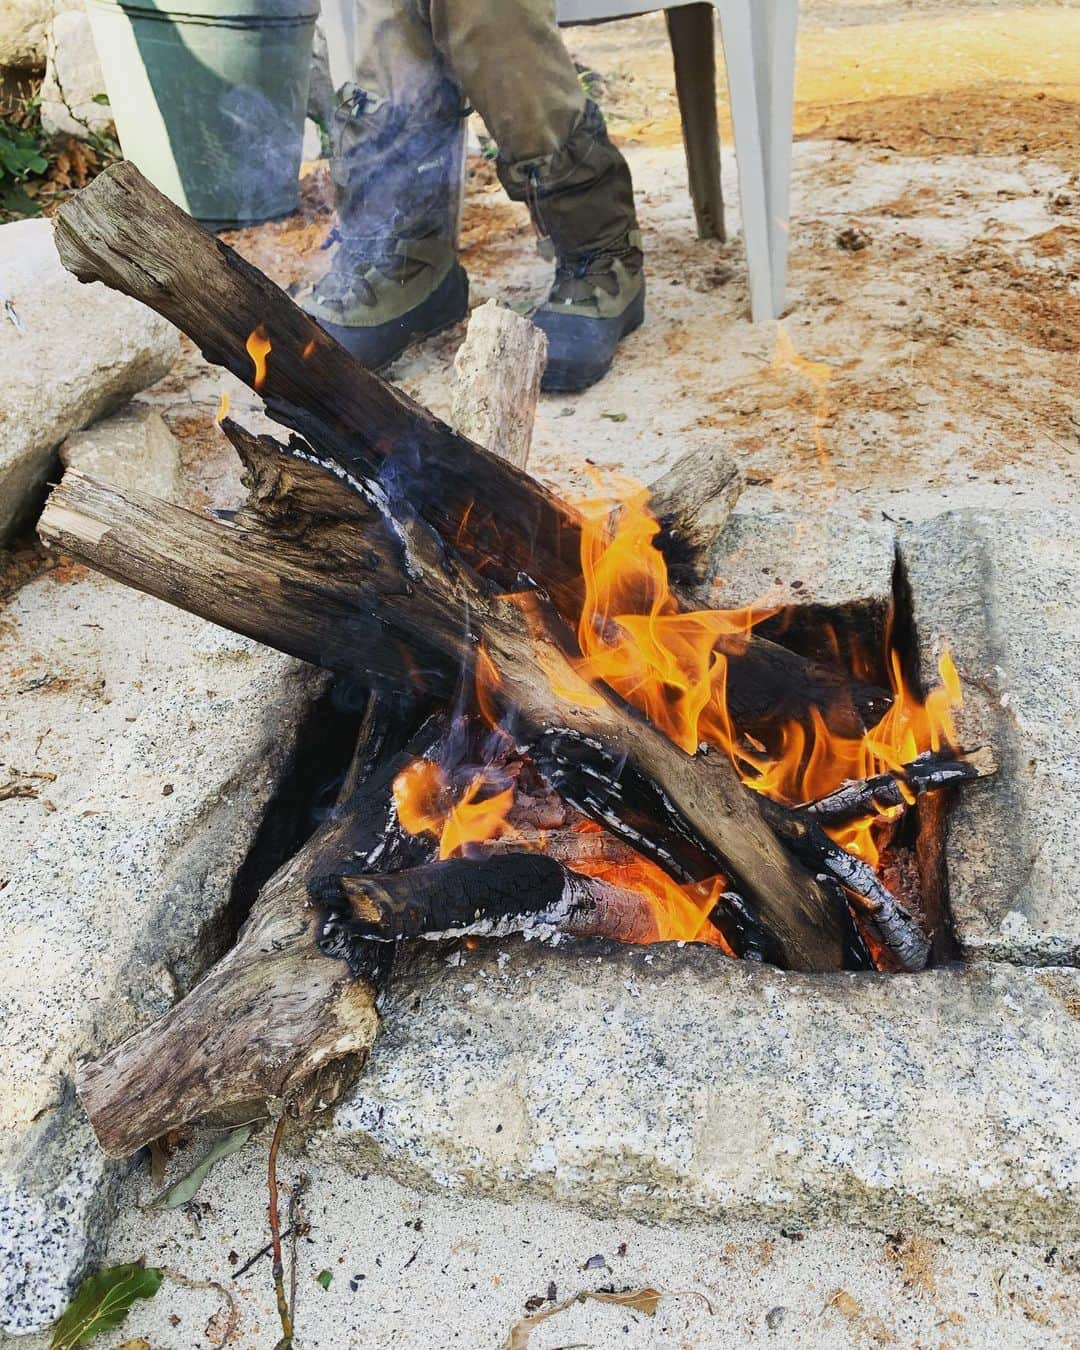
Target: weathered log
{"points": [[275, 1018], [492, 896], [691, 502], [498, 369], [930, 772], [688, 813], [121, 230]]}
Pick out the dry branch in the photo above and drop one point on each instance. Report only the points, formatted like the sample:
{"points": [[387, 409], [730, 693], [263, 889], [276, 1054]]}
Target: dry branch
{"points": [[122, 231], [275, 1018]]}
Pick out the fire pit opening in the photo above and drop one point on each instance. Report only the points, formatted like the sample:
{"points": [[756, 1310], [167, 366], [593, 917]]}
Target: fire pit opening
{"points": [[487, 844]]}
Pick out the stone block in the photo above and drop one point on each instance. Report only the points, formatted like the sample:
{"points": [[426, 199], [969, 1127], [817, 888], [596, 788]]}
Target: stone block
{"points": [[826, 568], [1001, 587], [151, 743], [674, 1085], [68, 354], [72, 89], [131, 449]]}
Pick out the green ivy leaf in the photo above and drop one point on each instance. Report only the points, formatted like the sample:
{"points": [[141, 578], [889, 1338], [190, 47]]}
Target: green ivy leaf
{"points": [[103, 99], [324, 1277], [103, 1301]]}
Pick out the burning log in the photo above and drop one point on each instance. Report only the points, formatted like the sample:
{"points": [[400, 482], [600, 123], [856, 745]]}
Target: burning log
{"points": [[122, 231], [877, 907], [275, 1018], [493, 896], [309, 538], [930, 772]]}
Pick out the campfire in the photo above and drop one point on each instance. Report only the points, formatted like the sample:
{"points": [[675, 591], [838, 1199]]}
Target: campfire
{"points": [[563, 737]]}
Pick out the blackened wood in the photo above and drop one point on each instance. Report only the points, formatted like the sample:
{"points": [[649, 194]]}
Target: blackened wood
{"points": [[275, 1018], [875, 904], [121, 230], [689, 813], [930, 772], [489, 896]]}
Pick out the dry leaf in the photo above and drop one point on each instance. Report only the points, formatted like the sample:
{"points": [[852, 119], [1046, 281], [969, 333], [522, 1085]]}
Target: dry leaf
{"points": [[136, 1343], [641, 1300]]}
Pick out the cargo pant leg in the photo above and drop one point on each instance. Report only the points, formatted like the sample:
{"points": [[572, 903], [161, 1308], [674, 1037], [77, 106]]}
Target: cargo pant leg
{"points": [[510, 59]]}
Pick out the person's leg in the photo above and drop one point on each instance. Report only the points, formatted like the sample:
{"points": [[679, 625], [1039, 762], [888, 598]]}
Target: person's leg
{"points": [[395, 137], [554, 154]]}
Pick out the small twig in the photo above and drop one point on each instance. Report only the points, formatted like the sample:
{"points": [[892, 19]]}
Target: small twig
{"points": [[263, 1251], [929, 772], [298, 1225], [285, 1343]]}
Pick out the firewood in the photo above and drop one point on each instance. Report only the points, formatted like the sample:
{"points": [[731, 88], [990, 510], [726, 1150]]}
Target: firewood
{"points": [[930, 772], [498, 369], [690, 814], [281, 1016], [877, 907], [691, 502], [122, 231], [491, 896]]}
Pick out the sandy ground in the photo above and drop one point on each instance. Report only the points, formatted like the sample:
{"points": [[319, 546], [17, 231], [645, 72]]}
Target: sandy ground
{"points": [[933, 365], [423, 1272]]}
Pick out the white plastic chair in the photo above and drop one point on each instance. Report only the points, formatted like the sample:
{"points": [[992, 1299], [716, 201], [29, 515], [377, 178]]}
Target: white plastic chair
{"points": [[759, 52]]}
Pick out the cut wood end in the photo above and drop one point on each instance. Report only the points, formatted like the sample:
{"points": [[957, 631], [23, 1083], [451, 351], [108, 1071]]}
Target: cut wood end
{"points": [[59, 522], [982, 760]]}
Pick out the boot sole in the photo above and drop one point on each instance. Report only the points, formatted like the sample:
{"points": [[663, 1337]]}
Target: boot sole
{"points": [[572, 376], [447, 305]]}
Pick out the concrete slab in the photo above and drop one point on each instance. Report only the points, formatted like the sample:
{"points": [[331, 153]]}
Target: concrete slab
{"points": [[672, 1085], [1001, 588], [68, 354], [149, 744]]}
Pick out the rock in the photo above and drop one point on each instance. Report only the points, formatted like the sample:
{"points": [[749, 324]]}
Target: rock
{"points": [[673, 1085], [131, 449], [68, 354], [24, 26], [1001, 588], [832, 568], [73, 84], [152, 742]]}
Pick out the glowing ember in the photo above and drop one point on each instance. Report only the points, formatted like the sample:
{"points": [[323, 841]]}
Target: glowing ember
{"points": [[258, 348]]}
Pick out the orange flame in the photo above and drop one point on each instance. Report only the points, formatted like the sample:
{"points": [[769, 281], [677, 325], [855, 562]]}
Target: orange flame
{"points": [[667, 664], [258, 348], [425, 805], [222, 408]]}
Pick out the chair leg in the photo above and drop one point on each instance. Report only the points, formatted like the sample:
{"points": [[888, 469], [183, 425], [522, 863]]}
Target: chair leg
{"points": [[693, 45], [746, 29]]}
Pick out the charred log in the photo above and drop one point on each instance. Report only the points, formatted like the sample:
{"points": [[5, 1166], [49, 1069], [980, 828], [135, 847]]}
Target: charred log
{"points": [[930, 772], [876, 906], [488, 897]]}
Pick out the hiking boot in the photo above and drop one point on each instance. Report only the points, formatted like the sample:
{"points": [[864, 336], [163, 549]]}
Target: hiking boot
{"points": [[395, 277], [581, 201], [380, 296]]}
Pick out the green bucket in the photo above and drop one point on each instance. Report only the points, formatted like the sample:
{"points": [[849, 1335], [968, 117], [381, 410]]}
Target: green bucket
{"points": [[209, 102]]}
